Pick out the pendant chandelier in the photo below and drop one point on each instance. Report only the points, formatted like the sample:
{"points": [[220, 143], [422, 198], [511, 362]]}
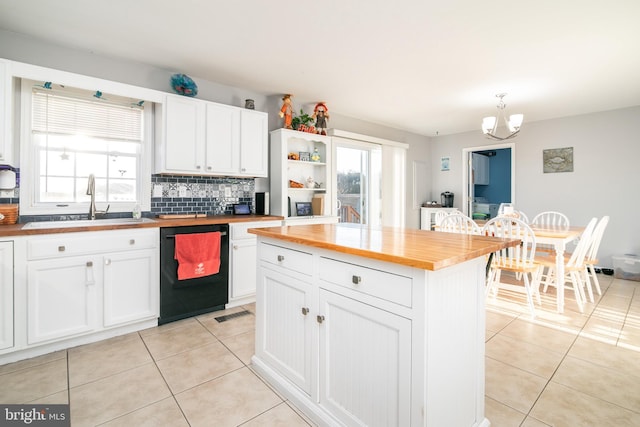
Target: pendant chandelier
{"points": [[490, 124]]}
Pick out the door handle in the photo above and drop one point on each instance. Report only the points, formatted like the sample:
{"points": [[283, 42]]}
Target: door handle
{"points": [[320, 318], [305, 310]]}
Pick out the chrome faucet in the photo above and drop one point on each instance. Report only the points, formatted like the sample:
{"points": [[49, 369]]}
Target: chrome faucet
{"points": [[91, 190]]}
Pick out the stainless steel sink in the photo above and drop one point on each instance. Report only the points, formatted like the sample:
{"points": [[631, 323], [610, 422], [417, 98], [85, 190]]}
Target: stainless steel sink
{"points": [[84, 223]]}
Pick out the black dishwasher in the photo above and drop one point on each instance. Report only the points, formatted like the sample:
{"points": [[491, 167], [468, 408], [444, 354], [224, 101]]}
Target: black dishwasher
{"points": [[180, 299]]}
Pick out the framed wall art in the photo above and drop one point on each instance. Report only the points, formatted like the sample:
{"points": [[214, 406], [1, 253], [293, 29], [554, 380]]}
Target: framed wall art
{"points": [[444, 163], [556, 160]]}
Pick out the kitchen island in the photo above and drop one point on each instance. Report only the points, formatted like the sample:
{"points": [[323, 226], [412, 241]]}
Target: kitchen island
{"points": [[374, 326]]}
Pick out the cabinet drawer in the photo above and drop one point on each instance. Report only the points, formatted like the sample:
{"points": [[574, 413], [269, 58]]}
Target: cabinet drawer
{"points": [[290, 259], [238, 231], [70, 244], [387, 286]]}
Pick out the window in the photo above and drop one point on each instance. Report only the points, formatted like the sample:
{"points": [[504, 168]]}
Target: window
{"points": [[71, 133]]}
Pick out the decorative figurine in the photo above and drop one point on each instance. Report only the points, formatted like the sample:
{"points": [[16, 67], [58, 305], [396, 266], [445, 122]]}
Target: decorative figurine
{"points": [[286, 111], [321, 115], [315, 156]]}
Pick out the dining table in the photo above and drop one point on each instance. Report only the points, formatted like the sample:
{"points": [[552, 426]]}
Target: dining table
{"points": [[558, 237]]}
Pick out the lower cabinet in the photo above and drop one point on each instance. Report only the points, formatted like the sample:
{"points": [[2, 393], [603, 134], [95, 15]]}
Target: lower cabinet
{"points": [[365, 363], [70, 294], [130, 287], [351, 358], [242, 255], [6, 295], [62, 298], [286, 338]]}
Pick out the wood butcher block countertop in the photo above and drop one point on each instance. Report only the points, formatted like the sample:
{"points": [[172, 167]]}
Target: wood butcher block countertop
{"points": [[17, 229], [427, 250]]}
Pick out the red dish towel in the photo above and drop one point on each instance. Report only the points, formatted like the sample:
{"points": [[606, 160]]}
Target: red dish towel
{"points": [[198, 254]]}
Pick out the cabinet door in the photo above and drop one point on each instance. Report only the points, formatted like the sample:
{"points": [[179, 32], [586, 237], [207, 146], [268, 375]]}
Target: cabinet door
{"points": [[284, 340], [6, 295], [254, 146], [223, 139], [365, 363], [243, 268], [61, 297], [6, 143], [131, 287], [184, 138]]}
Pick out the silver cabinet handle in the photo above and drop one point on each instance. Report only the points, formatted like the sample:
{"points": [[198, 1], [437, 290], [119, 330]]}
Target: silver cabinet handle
{"points": [[356, 280], [209, 167], [305, 310], [61, 248], [280, 258], [89, 273], [107, 261], [235, 247], [132, 241], [320, 319], [197, 166]]}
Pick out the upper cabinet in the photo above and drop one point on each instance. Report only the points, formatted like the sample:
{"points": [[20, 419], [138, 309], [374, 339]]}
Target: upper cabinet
{"points": [[6, 142], [480, 169], [205, 138], [181, 136]]}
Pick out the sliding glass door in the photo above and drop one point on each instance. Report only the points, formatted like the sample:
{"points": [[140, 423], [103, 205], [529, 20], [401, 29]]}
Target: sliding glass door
{"points": [[358, 180]]}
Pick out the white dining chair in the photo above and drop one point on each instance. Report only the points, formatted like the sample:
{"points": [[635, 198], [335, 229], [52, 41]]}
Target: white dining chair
{"points": [[551, 219], [591, 258], [459, 223], [440, 214], [575, 270], [518, 259]]}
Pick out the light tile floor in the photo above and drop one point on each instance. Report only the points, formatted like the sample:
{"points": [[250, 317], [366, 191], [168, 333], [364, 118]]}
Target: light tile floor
{"points": [[572, 369]]}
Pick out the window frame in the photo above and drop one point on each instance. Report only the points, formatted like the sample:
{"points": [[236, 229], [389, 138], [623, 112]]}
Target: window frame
{"points": [[29, 173]]}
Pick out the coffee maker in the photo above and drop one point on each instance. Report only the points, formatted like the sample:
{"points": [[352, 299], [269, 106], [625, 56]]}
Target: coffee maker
{"points": [[446, 199]]}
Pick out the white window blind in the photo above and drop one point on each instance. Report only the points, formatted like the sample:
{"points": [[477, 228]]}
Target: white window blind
{"points": [[54, 113]]}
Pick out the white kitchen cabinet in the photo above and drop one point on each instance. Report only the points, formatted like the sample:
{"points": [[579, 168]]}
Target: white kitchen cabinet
{"points": [[131, 281], [6, 295], [6, 141], [182, 136], [242, 247], [254, 143], [62, 297], [78, 283], [285, 339], [222, 139], [357, 340], [390, 345], [197, 137], [480, 169], [283, 195]]}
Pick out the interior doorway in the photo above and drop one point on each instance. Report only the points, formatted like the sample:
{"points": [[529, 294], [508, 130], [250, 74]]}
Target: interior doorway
{"points": [[489, 179]]}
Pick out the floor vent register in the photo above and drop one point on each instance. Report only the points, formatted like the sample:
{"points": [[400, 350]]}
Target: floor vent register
{"points": [[226, 317]]}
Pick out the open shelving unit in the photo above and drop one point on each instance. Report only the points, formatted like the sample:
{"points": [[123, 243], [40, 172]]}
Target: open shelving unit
{"points": [[284, 171]]}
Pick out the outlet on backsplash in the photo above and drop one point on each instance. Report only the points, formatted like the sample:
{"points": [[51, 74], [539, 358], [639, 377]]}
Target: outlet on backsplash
{"points": [[7, 193]]}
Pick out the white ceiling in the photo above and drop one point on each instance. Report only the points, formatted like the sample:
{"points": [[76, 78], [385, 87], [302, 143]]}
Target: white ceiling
{"points": [[424, 66]]}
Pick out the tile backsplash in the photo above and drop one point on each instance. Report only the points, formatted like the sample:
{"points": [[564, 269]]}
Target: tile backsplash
{"points": [[198, 194]]}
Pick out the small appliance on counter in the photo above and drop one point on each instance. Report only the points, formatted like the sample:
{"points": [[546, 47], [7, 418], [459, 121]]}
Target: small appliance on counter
{"points": [[262, 203], [446, 199]]}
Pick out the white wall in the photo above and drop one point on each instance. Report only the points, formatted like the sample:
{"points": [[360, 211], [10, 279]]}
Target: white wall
{"points": [[604, 182]]}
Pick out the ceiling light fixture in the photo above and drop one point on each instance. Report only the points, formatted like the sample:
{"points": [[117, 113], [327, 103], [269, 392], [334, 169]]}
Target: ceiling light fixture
{"points": [[490, 124]]}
